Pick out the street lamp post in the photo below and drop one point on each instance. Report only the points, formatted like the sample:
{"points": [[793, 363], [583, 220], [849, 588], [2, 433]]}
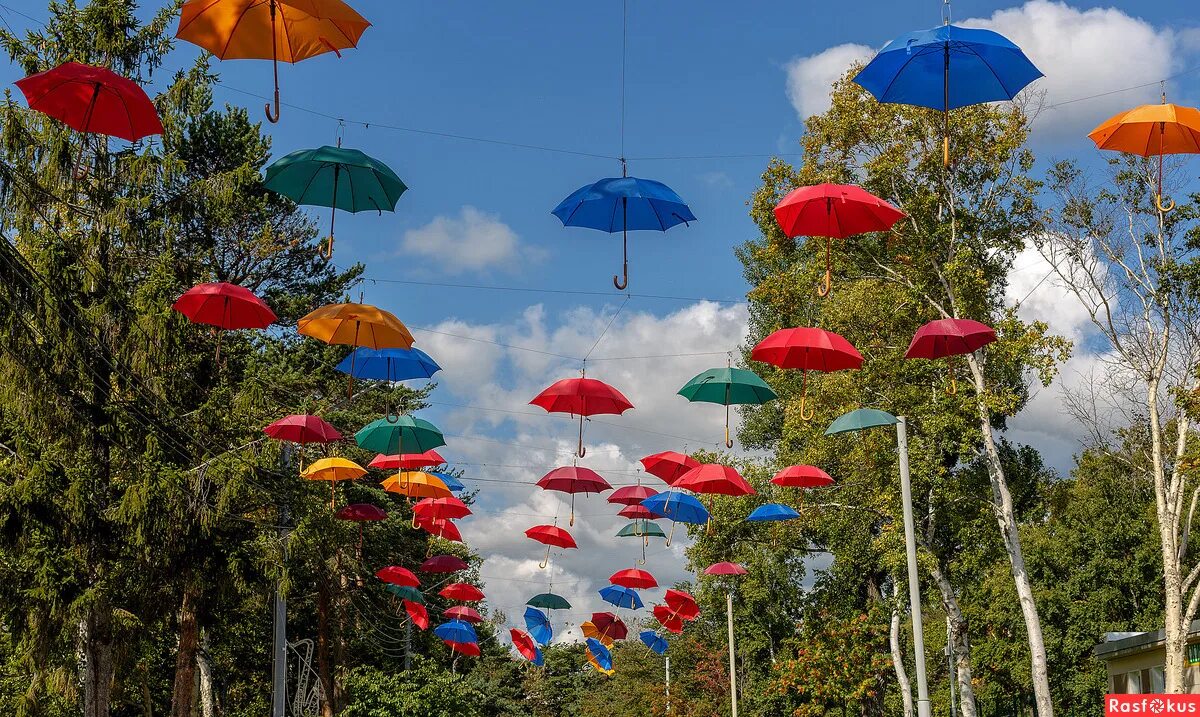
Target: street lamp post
{"points": [[861, 419]]}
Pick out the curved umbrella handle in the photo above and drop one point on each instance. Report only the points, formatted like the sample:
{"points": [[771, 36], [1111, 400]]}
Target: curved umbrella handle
{"points": [[623, 282], [580, 451], [953, 388], [806, 416], [274, 69], [546, 560], [273, 118], [823, 291], [325, 248], [804, 397], [671, 534], [1158, 202], [624, 246]]}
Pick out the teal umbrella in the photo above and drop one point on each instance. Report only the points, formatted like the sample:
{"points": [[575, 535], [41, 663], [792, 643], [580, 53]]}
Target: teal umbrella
{"points": [[727, 386], [335, 177], [406, 434], [644, 529], [406, 593], [549, 601], [859, 419]]}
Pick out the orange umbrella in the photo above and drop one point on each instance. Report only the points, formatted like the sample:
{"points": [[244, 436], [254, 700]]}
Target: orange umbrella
{"points": [[416, 484], [1152, 131], [355, 325], [287, 30], [333, 470], [590, 630]]}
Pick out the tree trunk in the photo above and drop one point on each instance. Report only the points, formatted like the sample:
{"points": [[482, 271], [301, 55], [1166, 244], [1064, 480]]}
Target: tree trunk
{"points": [[959, 643], [208, 688], [1167, 507], [1007, 521], [183, 697], [898, 663], [324, 668], [95, 654]]}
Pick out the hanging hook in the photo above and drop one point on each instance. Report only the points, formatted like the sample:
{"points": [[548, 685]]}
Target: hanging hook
{"points": [[823, 291]]}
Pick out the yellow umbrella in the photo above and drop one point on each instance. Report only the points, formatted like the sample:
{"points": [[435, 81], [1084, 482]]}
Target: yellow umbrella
{"points": [[417, 484], [333, 470], [355, 325], [590, 630], [1152, 131], [592, 661]]}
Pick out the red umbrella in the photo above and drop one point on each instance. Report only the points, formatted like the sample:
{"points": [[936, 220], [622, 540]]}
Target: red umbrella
{"points": [[441, 527], [609, 625], [949, 337], [384, 463], [524, 644], [303, 428], [464, 613], [725, 569], [668, 619], [361, 513], [834, 211], [550, 536], [462, 592], [633, 578], [638, 512], [417, 613], [682, 604], [582, 397], [471, 649], [669, 465], [413, 461], [450, 508], [226, 306], [631, 494], [807, 349], [714, 479], [572, 480], [443, 564], [397, 575], [802, 477]]}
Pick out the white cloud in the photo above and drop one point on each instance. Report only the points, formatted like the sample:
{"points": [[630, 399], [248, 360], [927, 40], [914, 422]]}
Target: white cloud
{"points": [[473, 241], [810, 79]]}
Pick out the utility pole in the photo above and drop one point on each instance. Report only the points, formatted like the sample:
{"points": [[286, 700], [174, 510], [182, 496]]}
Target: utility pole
{"points": [[279, 648], [914, 585], [668, 685], [732, 661]]}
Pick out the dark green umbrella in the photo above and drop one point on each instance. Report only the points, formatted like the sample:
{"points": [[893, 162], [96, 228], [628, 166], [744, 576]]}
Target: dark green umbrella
{"points": [[727, 386], [859, 419], [644, 529], [405, 434], [549, 601], [406, 593], [335, 177]]}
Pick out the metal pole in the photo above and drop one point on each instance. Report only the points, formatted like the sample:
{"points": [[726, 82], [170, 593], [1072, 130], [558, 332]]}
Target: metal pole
{"points": [[279, 649], [914, 585], [668, 685], [950, 660], [732, 663]]}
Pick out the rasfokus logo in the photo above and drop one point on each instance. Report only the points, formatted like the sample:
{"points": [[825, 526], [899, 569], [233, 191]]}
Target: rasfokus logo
{"points": [[1151, 705]]}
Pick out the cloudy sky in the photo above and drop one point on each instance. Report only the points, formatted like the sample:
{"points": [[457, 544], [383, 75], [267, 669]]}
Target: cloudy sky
{"points": [[493, 112]]}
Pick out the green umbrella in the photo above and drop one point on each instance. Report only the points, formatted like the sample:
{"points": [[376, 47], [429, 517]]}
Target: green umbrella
{"points": [[641, 528], [859, 419], [335, 177], [406, 593], [404, 435], [727, 386], [549, 601]]}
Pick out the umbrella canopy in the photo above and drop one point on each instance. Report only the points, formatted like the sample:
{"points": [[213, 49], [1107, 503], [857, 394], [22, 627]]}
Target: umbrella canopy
{"points": [[771, 512], [417, 613], [443, 564], [678, 506], [406, 434], [396, 575], [276, 30], [551, 535], [405, 592], [303, 428], [463, 592], [464, 613], [633, 578], [526, 646], [725, 569], [807, 349], [637, 512], [630, 495], [361, 513], [450, 508], [714, 479], [641, 529], [338, 178], [92, 99], [549, 601], [668, 619], [456, 631], [654, 641], [415, 484], [389, 364], [471, 649], [1149, 130], [538, 625], [572, 480], [727, 386], [802, 477], [582, 397], [621, 597], [949, 337], [441, 527], [668, 465], [333, 469], [609, 625], [451, 482], [682, 604], [226, 306], [412, 461], [600, 655], [589, 631], [355, 325], [859, 419], [621, 204]]}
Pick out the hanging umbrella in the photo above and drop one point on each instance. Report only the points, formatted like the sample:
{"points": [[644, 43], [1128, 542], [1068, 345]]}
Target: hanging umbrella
{"points": [[807, 349], [802, 477], [771, 512], [450, 508], [949, 337], [549, 601], [538, 625], [404, 592], [226, 306], [471, 649], [834, 211], [680, 507], [464, 613], [355, 325], [572, 480], [415, 484], [725, 569], [654, 641], [668, 465], [302, 429], [714, 479], [633, 578], [550, 536], [440, 527], [396, 575], [251, 30], [360, 513], [338, 178], [945, 68], [637, 512], [407, 461], [630, 495], [621, 597], [443, 564], [451, 482], [406, 434], [609, 625], [668, 619], [389, 364], [600, 654], [859, 419], [462, 592], [727, 387], [417, 613], [1152, 131], [582, 397], [682, 604], [621, 204], [333, 470], [641, 529], [456, 631], [526, 646]]}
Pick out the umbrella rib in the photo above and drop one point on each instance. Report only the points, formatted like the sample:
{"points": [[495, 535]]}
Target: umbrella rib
{"points": [[232, 30], [988, 65], [311, 178], [183, 26], [900, 71]]}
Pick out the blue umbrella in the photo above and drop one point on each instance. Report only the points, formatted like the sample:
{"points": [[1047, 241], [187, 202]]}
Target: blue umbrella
{"points": [[947, 67], [621, 597], [600, 653], [538, 625], [619, 204], [770, 512], [679, 507], [456, 631], [451, 482], [654, 641], [389, 364]]}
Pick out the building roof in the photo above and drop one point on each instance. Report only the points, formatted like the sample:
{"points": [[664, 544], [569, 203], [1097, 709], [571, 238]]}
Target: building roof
{"points": [[1119, 644]]}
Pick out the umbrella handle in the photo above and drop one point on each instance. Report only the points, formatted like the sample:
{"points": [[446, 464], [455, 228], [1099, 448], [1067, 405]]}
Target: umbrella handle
{"points": [[274, 70], [571, 522], [624, 247], [953, 388], [671, 534], [823, 290], [804, 396], [1158, 202], [546, 560], [581, 451], [728, 440]]}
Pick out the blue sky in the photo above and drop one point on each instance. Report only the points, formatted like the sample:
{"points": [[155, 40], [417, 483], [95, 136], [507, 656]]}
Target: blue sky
{"points": [[702, 79]]}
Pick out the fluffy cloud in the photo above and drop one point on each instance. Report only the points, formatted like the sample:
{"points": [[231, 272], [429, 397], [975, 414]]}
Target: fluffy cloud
{"points": [[471, 242], [810, 78]]}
